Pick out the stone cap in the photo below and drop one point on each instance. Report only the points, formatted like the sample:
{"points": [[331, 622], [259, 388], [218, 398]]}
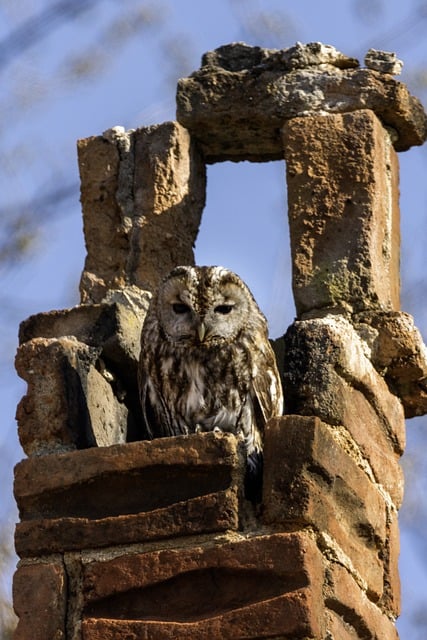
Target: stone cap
{"points": [[237, 102]]}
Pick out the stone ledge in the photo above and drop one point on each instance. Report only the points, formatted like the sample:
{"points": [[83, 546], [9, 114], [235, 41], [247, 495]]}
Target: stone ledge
{"points": [[237, 102], [98, 496]]}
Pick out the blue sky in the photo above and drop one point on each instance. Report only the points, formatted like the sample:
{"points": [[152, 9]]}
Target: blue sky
{"points": [[45, 109]]}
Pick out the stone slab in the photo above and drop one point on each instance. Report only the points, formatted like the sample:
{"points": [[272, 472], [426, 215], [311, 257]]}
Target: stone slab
{"points": [[237, 102], [342, 185]]}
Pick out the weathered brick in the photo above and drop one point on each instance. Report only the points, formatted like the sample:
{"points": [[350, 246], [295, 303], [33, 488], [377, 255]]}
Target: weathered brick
{"points": [[40, 597], [136, 492], [343, 212], [105, 228], [309, 479], [326, 366], [113, 327], [350, 603], [338, 629], [245, 588]]}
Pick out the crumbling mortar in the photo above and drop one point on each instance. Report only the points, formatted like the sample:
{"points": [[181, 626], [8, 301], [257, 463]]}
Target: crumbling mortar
{"points": [[73, 569], [333, 553]]}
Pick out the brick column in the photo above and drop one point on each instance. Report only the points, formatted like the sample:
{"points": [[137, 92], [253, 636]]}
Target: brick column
{"points": [[120, 537]]}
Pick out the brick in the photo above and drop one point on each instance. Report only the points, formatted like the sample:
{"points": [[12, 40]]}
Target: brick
{"points": [[339, 629], [326, 367], [344, 597], [245, 588], [52, 415], [309, 479], [169, 183], [98, 497], [148, 188], [194, 516], [271, 86], [343, 212], [40, 596]]}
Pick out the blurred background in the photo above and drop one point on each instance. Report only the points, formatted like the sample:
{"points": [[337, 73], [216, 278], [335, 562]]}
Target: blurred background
{"points": [[73, 68]]}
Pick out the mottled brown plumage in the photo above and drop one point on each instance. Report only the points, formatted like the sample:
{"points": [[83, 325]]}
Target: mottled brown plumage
{"points": [[206, 362]]}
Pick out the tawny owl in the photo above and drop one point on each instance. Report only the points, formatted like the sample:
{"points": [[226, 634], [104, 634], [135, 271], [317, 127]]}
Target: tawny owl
{"points": [[206, 362]]}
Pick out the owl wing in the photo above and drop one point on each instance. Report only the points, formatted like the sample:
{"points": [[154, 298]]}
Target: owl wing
{"points": [[157, 418], [267, 385]]}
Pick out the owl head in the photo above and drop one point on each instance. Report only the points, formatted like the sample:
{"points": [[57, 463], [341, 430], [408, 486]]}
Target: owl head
{"points": [[205, 306]]}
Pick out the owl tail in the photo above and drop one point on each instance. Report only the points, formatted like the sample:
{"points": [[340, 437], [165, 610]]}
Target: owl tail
{"points": [[253, 476]]}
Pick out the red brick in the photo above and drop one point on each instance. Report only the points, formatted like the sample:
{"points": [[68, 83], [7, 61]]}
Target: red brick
{"points": [[97, 497], [40, 596], [310, 479], [243, 588], [205, 514], [344, 597]]}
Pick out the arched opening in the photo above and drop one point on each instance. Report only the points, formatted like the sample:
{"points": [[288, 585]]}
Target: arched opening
{"points": [[244, 228]]}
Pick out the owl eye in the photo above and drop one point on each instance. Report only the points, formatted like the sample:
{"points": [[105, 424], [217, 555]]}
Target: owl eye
{"points": [[223, 309], [180, 307]]}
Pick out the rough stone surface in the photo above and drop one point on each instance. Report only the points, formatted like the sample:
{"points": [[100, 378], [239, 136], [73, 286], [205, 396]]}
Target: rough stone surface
{"points": [[246, 588], [126, 494], [53, 415], [237, 102], [399, 353], [342, 178], [155, 539], [310, 479], [327, 373], [112, 329], [351, 604], [40, 597], [383, 61], [142, 195], [68, 403]]}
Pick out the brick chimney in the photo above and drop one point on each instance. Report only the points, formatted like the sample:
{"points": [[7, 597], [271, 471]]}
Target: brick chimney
{"points": [[121, 537]]}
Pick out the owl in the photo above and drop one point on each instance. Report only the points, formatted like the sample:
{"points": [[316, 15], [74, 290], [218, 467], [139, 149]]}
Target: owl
{"points": [[206, 363]]}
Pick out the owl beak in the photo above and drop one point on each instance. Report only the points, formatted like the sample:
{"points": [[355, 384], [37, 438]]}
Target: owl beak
{"points": [[201, 331]]}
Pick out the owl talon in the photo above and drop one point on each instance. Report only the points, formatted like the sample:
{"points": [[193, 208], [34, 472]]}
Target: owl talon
{"points": [[198, 429], [217, 430]]}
